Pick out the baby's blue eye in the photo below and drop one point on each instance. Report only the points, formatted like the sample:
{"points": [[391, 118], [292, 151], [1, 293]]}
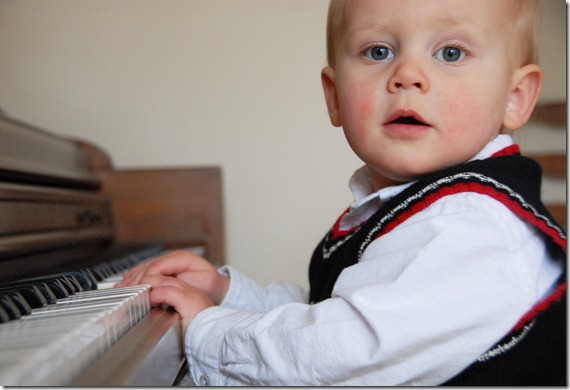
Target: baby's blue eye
{"points": [[450, 54], [378, 53]]}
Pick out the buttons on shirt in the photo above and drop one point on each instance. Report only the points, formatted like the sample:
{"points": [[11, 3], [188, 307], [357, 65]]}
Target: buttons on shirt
{"points": [[204, 381]]}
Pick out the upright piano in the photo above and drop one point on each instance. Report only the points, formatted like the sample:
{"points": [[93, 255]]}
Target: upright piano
{"points": [[70, 225]]}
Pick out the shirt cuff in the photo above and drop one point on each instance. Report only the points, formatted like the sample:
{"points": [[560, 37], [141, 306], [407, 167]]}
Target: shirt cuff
{"points": [[244, 293], [230, 300]]}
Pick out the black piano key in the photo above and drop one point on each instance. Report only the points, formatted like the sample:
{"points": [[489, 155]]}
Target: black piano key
{"points": [[89, 275], [73, 280], [97, 273], [10, 307], [57, 287], [83, 281], [32, 296], [4, 316], [104, 270], [123, 264], [66, 285], [20, 302], [69, 285], [114, 268], [46, 292]]}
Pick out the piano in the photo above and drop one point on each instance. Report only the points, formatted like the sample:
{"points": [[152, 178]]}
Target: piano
{"points": [[70, 225]]}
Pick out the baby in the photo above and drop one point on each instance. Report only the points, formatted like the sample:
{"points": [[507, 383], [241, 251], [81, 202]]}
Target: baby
{"points": [[446, 268]]}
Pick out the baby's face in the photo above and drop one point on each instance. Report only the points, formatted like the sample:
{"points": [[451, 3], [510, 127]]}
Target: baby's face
{"points": [[421, 84]]}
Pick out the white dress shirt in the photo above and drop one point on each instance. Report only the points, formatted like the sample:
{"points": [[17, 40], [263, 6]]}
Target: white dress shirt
{"points": [[424, 302]]}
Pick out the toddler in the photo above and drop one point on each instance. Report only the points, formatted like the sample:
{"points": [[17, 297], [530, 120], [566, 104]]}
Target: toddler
{"points": [[446, 268]]}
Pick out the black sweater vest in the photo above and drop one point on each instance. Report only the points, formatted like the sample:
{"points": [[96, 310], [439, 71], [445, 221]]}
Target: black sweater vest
{"points": [[534, 352]]}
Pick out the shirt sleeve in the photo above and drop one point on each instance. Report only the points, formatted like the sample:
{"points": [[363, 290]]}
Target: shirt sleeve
{"points": [[423, 303], [246, 294]]}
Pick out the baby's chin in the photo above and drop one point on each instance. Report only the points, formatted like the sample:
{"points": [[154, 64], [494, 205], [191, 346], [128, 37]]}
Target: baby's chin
{"points": [[384, 180], [406, 172], [404, 177]]}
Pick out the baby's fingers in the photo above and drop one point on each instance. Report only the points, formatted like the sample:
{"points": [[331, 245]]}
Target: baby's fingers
{"points": [[133, 276], [186, 300], [170, 264], [185, 305]]}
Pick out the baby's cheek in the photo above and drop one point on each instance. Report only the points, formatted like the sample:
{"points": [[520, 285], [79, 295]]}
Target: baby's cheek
{"points": [[365, 109], [361, 104], [364, 104], [460, 112]]}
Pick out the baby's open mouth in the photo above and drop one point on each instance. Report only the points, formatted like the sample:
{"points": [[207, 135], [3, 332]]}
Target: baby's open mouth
{"points": [[408, 120]]}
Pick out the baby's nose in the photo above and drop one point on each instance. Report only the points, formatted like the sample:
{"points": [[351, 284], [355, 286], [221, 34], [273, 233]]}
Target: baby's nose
{"points": [[408, 75]]}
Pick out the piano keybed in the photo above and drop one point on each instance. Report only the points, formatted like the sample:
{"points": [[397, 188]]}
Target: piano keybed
{"points": [[55, 327]]}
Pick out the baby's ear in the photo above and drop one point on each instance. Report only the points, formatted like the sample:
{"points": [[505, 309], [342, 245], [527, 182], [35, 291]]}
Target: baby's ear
{"points": [[525, 89], [331, 96]]}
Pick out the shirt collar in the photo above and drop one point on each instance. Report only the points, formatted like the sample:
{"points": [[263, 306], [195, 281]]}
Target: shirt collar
{"points": [[360, 183]]}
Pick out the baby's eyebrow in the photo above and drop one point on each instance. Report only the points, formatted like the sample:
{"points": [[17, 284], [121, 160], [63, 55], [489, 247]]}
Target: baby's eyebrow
{"points": [[463, 21]]}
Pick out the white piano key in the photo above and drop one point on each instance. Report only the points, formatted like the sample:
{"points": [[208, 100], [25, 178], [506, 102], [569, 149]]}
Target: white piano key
{"points": [[52, 344]]}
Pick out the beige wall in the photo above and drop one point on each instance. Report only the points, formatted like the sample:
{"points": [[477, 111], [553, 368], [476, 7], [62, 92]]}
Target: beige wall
{"points": [[197, 82]]}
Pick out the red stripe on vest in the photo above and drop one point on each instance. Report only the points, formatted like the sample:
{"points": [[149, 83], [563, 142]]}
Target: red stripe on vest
{"points": [[542, 306], [479, 188]]}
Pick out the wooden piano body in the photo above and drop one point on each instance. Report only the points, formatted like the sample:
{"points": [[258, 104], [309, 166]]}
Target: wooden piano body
{"points": [[62, 200]]}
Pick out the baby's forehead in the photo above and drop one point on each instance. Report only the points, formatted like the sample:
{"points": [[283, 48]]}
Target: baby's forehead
{"points": [[486, 18], [441, 11]]}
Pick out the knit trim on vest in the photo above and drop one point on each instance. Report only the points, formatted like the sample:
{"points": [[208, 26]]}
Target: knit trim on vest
{"points": [[502, 348], [542, 306], [455, 184], [450, 185], [525, 324]]}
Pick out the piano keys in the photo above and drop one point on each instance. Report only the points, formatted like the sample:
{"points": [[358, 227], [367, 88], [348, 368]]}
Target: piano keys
{"points": [[52, 345], [70, 224], [68, 325]]}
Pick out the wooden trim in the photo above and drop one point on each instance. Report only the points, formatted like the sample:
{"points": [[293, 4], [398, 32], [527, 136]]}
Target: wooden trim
{"points": [[176, 207], [29, 154], [100, 161], [554, 113], [552, 164]]}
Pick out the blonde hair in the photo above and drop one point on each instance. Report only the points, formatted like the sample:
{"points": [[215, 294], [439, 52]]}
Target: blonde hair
{"points": [[334, 20], [526, 27], [526, 17]]}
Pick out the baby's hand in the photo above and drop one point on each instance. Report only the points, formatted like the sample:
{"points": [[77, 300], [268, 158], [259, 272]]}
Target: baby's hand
{"points": [[188, 301], [186, 266]]}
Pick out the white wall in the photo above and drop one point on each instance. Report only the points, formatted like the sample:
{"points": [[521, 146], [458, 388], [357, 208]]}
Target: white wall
{"points": [[197, 82]]}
